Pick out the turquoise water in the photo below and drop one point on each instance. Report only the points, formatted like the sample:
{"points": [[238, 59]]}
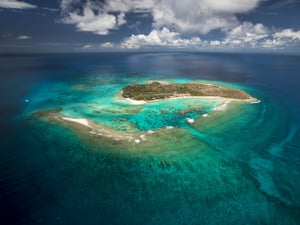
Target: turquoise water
{"points": [[99, 102], [239, 165]]}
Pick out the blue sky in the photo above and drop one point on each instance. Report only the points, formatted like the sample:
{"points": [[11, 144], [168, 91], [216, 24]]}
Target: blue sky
{"points": [[121, 25]]}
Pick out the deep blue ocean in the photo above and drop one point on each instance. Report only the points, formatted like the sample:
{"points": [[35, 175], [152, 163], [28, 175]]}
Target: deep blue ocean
{"points": [[238, 166]]}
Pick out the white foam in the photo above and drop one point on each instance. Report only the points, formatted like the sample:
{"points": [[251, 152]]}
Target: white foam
{"points": [[221, 107], [137, 141], [93, 132], [257, 101], [150, 132], [130, 139], [205, 115], [169, 127], [190, 120], [143, 137]]}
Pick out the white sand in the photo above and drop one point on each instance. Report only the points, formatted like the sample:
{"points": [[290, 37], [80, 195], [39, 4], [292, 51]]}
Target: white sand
{"points": [[136, 102], [141, 102], [81, 121], [160, 81]]}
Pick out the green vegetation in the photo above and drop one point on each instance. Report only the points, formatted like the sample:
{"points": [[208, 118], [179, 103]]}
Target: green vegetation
{"points": [[157, 90]]}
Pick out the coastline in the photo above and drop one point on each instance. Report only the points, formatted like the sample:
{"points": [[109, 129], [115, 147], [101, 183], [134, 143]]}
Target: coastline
{"points": [[138, 94], [88, 128], [250, 100]]}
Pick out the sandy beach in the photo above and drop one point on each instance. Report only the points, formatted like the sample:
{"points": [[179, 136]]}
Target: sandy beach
{"points": [[81, 121], [95, 130], [141, 102]]}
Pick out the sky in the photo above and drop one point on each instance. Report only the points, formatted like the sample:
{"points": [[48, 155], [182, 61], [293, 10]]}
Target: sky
{"points": [[156, 25]]}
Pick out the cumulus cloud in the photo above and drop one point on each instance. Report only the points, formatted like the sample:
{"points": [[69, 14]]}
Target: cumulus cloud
{"points": [[23, 37], [14, 4], [288, 34], [190, 16], [257, 36], [176, 23], [107, 45], [94, 17], [87, 46], [246, 34], [200, 16], [273, 43], [283, 38], [215, 43], [162, 37], [95, 47], [92, 22]]}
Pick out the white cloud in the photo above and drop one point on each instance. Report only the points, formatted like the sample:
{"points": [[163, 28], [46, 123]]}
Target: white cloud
{"points": [[189, 16], [23, 37], [232, 6], [50, 9], [246, 34], [65, 4], [121, 19], [215, 43], [87, 46], [99, 23], [163, 37], [273, 43], [14, 4], [200, 16], [288, 34], [257, 35], [95, 47], [177, 23], [247, 29], [118, 6], [107, 45], [94, 17], [282, 39]]}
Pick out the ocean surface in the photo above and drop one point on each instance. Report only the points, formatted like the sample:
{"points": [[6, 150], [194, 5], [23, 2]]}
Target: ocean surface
{"points": [[238, 163]]}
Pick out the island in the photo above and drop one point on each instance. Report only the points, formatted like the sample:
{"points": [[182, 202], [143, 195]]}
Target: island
{"points": [[126, 130], [160, 91]]}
